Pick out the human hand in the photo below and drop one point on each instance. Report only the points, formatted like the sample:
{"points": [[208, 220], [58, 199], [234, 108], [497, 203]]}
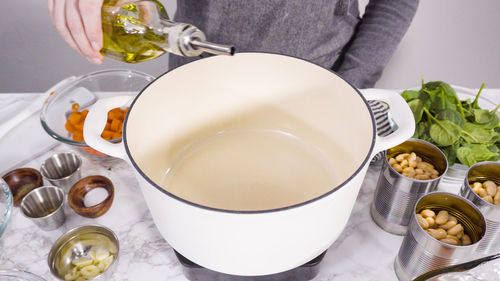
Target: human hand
{"points": [[79, 24]]}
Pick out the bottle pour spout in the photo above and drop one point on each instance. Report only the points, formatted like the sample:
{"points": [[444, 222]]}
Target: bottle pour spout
{"points": [[213, 48]]}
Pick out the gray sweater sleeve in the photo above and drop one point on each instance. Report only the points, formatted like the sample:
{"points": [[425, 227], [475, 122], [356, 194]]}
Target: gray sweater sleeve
{"points": [[381, 29]]}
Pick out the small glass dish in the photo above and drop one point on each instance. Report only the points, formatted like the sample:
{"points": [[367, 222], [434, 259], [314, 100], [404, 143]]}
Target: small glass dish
{"points": [[6, 203], [85, 91]]}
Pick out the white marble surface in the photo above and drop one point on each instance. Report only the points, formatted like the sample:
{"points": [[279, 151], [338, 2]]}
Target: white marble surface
{"points": [[362, 252]]}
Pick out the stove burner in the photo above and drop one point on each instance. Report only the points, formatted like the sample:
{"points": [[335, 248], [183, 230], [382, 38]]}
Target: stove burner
{"points": [[195, 272]]}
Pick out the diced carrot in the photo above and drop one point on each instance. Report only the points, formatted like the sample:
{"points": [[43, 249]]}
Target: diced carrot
{"points": [[77, 136], [114, 113], [107, 135], [112, 130], [70, 127], [75, 117], [79, 127], [115, 125]]}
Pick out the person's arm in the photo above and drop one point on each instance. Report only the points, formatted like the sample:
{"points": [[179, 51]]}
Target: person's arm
{"points": [[380, 31]]}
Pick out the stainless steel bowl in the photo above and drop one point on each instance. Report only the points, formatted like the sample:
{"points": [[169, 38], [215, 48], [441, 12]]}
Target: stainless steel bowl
{"points": [[62, 169], [79, 243], [44, 207]]}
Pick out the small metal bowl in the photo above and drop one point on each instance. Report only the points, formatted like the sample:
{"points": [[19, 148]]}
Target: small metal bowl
{"points": [[44, 207], [21, 181], [78, 243], [62, 169]]}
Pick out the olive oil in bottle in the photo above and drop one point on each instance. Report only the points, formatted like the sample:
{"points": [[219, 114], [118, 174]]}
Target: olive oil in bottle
{"points": [[140, 30]]}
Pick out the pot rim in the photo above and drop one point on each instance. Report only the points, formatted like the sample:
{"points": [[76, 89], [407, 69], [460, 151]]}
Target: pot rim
{"points": [[332, 190]]}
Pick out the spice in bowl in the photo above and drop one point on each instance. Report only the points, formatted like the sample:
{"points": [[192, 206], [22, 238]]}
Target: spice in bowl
{"points": [[443, 227], [412, 166]]}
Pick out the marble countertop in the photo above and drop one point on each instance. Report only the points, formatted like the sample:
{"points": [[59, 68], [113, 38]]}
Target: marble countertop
{"points": [[362, 252]]}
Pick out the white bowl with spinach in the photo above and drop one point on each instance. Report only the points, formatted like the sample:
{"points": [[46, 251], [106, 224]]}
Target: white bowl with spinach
{"points": [[462, 123]]}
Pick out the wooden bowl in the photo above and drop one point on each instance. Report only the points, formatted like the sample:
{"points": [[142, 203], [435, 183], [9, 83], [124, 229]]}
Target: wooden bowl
{"points": [[82, 187], [21, 181]]}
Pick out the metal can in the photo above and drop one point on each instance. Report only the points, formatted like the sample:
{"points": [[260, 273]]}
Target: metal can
{"points": [[482, 172], [395, 194], [420, 252]]}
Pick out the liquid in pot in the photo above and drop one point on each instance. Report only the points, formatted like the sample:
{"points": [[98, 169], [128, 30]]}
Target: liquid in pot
{"points": [[252, 170]]}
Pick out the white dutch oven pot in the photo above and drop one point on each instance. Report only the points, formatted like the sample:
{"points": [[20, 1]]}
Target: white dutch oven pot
{"points": [[197, 99]]}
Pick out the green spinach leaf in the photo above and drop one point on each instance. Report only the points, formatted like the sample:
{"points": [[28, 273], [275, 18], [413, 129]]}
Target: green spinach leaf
{"points": [[451, 115], [445, 132], [482, 116], [417, 107], [410, 95], [470, 154], [461, 129], [473, 133]]}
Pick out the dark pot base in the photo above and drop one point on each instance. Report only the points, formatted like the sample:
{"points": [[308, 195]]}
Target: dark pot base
{"points": [[194, 272]]}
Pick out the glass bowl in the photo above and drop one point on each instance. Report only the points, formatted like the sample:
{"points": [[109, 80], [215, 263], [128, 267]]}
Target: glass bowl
{"points": [[85, 91], [18, 275], [6, 203]]}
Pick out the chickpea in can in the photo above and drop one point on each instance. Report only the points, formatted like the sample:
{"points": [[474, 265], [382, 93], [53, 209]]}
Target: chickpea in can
{"points": [[412, 166], [443, 227], [488, 191]]}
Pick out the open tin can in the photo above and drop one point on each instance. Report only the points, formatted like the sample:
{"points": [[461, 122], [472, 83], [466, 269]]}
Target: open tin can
{"points": [[482, 172], [396, 195], [420, 252]]}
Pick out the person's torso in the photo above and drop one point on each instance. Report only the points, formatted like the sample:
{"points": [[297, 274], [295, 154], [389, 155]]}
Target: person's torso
{"points": [[315, 30]]}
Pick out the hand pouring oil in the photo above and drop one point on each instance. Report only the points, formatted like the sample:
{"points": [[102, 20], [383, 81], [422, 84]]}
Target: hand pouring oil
{"points": [[136, 31]]}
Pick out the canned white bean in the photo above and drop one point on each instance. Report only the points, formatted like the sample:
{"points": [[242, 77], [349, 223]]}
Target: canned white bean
{"points": [[421, 251], [479, 175], [397, 192]]}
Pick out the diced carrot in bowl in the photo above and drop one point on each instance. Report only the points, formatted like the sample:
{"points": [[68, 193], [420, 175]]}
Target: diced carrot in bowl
{"points": [[112, 130]]}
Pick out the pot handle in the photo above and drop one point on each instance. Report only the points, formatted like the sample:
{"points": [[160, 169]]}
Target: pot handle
{"points": [[400, 112], [95, 123]]}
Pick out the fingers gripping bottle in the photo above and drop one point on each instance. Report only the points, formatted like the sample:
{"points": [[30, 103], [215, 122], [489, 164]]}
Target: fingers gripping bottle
{"points": [[140, 30]]}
